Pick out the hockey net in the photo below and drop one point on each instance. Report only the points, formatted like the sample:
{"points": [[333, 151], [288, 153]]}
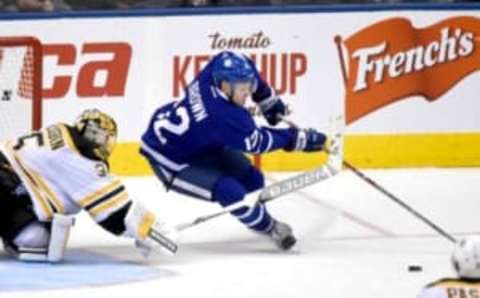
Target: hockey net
{"points": [[20, 85]]}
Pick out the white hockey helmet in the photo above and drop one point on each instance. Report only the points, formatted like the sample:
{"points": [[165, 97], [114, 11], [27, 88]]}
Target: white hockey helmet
{"points": [[466, 257]]}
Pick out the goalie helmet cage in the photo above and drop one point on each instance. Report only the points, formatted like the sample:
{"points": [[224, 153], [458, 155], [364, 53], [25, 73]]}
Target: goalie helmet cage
{"points": [[20, 85]]}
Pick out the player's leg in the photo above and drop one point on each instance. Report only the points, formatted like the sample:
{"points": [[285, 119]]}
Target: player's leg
{"points": [[22, 234], [15, 205], [195, 181], [19, 228], [28, 239], [39, 241], [257, 218], [237, 165], [210, 179], [240, 178]]}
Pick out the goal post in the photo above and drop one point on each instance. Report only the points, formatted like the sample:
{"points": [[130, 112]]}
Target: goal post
{"points": [[20, 85]]}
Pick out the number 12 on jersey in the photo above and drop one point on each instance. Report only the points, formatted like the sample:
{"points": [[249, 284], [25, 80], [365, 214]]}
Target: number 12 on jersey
{"points": [[163, 121]]}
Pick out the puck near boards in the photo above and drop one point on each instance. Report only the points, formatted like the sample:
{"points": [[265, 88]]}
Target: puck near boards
{"points": [[414, 268]]}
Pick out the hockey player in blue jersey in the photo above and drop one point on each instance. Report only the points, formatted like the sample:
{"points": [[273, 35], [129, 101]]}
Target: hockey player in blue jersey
{"points": [[195, 146]]}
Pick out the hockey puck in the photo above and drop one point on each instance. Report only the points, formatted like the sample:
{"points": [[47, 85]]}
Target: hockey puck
{"points": [[414, 268]]}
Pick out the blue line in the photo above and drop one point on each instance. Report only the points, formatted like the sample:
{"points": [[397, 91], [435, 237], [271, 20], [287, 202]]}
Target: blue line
{"points": [[202, 11]]}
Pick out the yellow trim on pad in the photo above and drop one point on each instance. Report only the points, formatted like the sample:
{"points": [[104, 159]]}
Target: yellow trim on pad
{"points": [[145, 225], [363, 151], [109, 205]]}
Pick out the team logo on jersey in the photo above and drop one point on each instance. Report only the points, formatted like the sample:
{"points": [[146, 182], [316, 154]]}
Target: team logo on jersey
{"points": [[228, 63], [101, 169]]}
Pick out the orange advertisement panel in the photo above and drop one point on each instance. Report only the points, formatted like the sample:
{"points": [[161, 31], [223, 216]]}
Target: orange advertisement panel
{"points": [[392, 60]]}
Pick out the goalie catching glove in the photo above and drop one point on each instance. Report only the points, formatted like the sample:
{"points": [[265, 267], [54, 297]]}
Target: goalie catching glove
{"points": [[307, 140], [149, 232]]}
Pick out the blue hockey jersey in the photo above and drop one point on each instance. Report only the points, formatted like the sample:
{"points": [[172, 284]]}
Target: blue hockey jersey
{"points": [[204, 121]]}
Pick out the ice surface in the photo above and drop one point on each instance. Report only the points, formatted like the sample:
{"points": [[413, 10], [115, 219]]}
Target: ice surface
{"points": [[353, 242]]}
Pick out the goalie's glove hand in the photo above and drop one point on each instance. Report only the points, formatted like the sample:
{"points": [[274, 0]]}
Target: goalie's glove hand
{"points": [[160, 238], [273, 110], [149, 232], [307, 140]]}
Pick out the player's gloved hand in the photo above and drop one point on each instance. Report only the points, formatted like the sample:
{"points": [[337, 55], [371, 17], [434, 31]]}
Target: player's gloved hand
{"points": [[149, 232], [307, 140], [273, 109], [160, 237]]}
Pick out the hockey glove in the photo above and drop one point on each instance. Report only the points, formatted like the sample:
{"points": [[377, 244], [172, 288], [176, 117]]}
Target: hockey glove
{"points": [[307, 140], [149, 232], [273, 109]]}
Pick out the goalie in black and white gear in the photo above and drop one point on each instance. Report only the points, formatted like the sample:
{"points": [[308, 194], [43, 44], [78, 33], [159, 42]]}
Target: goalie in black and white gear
{"points": [[51, 174]]}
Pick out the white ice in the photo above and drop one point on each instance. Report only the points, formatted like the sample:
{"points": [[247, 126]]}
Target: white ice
{"points": [[353, 242]]}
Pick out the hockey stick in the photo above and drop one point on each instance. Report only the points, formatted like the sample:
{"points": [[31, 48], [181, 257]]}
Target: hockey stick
{"points": [[166, 243], [277, 189], [270, 193], [394, 198], [391, 196]]}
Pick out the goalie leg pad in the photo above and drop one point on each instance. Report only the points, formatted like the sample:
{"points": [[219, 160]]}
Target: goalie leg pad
{"points": [[59, 234], [35, 235], [39, 244]]}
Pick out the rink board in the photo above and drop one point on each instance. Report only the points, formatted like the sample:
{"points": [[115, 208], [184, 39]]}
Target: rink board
{"points": [[130, 63]]}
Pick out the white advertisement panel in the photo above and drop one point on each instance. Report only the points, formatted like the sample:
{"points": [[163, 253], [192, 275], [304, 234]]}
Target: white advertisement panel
{"points": [[91, 63], [129, 66], [289, 58]]}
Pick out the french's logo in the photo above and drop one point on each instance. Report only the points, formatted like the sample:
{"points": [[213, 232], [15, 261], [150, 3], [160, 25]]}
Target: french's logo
{"points": [[391, 60]]}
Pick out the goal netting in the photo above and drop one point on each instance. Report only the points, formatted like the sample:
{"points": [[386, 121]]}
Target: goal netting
{"points": [[20, 85]]}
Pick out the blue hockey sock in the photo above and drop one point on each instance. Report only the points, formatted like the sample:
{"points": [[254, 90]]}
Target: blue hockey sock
{"points": [[228, 191], [256, 218]]}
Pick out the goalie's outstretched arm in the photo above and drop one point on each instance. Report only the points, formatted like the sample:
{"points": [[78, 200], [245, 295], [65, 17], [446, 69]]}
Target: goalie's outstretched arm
{"points": [[135, 221]]}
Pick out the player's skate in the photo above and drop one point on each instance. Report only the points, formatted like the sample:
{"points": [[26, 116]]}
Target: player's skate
{"points": [[282, 235]]}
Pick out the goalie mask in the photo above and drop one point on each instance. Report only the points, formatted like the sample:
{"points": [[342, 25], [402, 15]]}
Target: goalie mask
{"points": [[100, 129], [466, 258]]}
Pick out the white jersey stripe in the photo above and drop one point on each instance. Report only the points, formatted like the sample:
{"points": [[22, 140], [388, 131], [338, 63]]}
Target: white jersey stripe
{"points": [[270, 141], [113, 202], [247, 213], [38, 197], [203, 192], [99, 193], [162, 159], [51, 196], [259, 217]]}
